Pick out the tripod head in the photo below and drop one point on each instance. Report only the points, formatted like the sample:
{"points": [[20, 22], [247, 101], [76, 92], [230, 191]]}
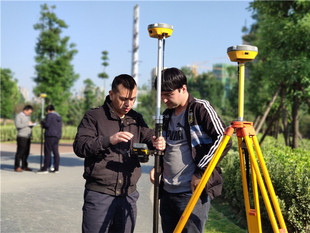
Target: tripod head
{"points": [[160, 30], [242, 53]]}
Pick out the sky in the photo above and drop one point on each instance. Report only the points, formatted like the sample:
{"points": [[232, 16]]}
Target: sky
{"points": [[202, 32]]}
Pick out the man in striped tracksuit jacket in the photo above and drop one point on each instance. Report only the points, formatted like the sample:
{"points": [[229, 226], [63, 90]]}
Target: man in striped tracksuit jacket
{"points": [[193, 132]]}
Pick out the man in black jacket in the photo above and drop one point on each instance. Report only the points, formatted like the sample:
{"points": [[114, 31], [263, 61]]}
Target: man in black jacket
{"points": [[52, 125], [105, 139], [193, 132]]}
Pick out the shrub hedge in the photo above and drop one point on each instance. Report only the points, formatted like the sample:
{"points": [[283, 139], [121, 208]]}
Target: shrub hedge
{"points": [[289, 171], [8, 133]]}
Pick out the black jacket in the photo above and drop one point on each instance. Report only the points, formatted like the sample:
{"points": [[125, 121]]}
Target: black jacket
{"points": [[204, 131], [110, 169], [52, 125]]}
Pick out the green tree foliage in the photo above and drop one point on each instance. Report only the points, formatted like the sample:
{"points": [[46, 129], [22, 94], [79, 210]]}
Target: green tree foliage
{"points": [[100, 96], [8, 133], [93, 97], [289, 171], [282, 35], [9, 93], [223, 94], [206, 86], [105, 63], [54, 71], [89, 95], [231, 100], [188, 72], [147, 106], [75, 111]]}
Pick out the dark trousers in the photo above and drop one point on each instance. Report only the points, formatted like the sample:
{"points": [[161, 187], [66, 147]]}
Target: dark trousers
{"points": [[172, 205], [51, 144], [103, 213], [22, 152]]}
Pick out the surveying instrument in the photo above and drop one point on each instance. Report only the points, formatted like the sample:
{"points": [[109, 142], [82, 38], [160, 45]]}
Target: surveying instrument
{"points": [[42, 96], [246, 131], [159, 31]]}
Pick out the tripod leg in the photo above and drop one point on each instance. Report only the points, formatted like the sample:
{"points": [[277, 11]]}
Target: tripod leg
{"points": [[256, 198], [269, 184], [253, 217], [192, 202], [261, 184]]}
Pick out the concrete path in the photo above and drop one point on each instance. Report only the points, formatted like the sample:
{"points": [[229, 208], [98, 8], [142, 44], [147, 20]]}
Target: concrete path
{"points": [[46, 203]]}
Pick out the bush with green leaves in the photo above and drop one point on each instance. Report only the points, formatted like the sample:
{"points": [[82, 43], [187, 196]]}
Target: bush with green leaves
{"points": [[289, 171], [8, 133]]}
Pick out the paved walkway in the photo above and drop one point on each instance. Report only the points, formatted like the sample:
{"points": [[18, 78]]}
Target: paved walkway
{"points": [[46, 203]]}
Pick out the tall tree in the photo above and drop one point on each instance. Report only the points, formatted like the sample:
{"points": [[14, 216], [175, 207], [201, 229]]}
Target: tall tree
{"points": [[105, 63], [147, 105], [54, 72], [100, 96], [206, 86], [282, 35], [89, 95], [75, 111], [9, 93]]}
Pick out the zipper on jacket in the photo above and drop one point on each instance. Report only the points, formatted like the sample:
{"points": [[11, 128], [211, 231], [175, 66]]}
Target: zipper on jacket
{"points": [[121, 127]]}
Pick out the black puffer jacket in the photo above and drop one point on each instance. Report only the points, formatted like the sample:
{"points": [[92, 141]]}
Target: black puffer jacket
{"points": [[204, 131], [110, 169]]}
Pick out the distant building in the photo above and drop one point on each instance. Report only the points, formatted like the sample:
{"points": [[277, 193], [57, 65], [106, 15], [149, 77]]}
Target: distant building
{"points": [[222, 73], [24, 92], [36, 100]]}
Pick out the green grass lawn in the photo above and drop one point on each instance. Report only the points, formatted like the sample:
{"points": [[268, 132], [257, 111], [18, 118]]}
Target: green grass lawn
{"points": [[218, 222]]}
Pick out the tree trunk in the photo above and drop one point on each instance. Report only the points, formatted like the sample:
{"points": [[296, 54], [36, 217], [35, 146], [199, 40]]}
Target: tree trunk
{"points": [[284, 118], [306, 99], [295, 114], [274, 118], [257, 119], [268, 109], [276, 128]]}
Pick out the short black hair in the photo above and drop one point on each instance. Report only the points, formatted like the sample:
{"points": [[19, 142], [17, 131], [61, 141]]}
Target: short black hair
{"points": [[126, 80], [28, 107], [50, 108], [172, 79]]}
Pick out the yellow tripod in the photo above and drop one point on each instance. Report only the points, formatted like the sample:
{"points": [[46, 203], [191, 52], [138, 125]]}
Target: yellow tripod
{"points": [[246, 131]]}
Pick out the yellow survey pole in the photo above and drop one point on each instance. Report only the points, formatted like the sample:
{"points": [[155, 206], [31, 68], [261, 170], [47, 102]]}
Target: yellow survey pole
{"points": [[241, 91]]}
